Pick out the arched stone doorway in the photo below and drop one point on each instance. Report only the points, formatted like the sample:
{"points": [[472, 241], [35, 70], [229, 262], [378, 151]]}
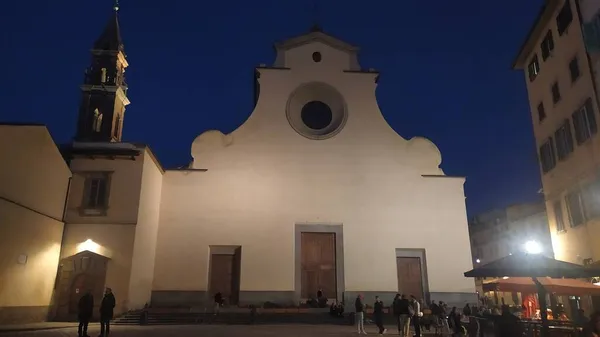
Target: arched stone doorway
{"points": [[76, 275]]}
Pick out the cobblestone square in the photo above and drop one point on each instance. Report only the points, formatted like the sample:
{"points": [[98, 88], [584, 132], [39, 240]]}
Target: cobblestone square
{"points": [[206, 330]]}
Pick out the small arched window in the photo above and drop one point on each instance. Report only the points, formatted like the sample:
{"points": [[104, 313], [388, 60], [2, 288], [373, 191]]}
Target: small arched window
{"points": [[117, 127], [97, 121], [103, 76]]}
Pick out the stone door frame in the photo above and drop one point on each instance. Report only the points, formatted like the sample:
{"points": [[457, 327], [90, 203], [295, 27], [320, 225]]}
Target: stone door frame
{"points": [[338, 230]]}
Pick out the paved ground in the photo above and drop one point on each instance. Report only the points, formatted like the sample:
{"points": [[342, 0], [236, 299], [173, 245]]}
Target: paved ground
{"points": [[207, 330]]}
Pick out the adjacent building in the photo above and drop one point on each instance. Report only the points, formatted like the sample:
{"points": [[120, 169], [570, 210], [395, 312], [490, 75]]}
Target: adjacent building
{"points": [[502, 232], [314, 191], [34, 180], [559, 60]]}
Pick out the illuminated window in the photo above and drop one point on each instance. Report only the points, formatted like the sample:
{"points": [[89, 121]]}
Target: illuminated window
{"points": [[533, 69], [103, 76]]}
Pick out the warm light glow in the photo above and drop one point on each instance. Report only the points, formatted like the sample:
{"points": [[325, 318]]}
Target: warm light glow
{"points": [[88, 245], [478, 261], [597, 284], [533, 247], [505, 278]]}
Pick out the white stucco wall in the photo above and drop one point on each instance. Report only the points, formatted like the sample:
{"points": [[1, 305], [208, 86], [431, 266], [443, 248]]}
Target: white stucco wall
{"points": [[34, 180], [29, 235], [264, 178], [146, 231]]}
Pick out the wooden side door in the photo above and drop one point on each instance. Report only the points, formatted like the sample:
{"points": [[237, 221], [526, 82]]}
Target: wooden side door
{"points": [[222, 275], [410, 277], [318, 265]]}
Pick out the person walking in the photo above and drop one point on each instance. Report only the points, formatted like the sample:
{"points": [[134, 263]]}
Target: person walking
{"points": [[85, 309], [359, 314], [107, 308], [416, 318], [378, 315]]}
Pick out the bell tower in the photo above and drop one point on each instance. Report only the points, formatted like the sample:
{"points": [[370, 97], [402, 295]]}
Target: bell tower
{"points": [[104, 91]]}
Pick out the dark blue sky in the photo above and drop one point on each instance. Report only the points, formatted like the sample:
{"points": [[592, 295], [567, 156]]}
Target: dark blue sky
{"points": [[445, 73]]}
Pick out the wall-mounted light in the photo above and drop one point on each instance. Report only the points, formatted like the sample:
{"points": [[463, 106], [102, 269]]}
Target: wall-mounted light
{"points": [[88, 245]]}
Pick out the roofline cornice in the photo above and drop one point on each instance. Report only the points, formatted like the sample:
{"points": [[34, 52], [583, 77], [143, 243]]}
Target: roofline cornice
{"points": [[541, 21]]}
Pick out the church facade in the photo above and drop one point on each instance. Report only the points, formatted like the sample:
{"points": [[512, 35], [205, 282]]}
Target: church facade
{"points": [[314, 191]]}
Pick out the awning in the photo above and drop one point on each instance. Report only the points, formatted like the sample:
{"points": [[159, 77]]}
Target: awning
{"points": [[571, 287]]}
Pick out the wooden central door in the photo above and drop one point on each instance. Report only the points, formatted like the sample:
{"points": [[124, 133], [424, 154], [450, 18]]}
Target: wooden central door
{"points": [[224, 276], [81, 284], [410, 277], [318, 265]]}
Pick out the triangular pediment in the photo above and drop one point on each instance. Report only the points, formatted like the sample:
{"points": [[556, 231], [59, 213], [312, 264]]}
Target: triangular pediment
{"points": [[315, 36]]}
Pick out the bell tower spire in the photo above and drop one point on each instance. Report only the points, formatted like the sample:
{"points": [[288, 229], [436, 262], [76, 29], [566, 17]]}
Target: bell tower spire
{"points": [[104, 91]]}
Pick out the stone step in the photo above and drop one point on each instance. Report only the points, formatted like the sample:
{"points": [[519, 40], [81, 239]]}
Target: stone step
{"points": [[166, 318]]}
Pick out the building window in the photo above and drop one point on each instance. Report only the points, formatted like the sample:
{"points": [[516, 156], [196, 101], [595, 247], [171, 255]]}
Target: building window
{"points": [[541, 111], [555, 93], [96, 191], [574, 69], [591, 199], [103, 75], [117, 129], [575, 208], [584, 122], [558, 216], [534, 68], [547, 158], [547, 45], [564, 18], [97, 121], [564, 140]]}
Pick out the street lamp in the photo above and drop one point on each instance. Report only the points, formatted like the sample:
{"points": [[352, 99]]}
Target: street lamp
{"points": [[533, 247]]}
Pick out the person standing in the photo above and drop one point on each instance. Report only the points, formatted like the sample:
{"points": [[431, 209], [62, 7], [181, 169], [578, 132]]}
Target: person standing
{"points": [[396, 311], [85, 310], [404, 311], [416, 320], [106, 312], [378, 315], [219, 301], [359, 309]]}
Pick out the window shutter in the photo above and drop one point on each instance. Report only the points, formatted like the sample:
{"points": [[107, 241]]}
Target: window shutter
{"points": [[591, 116]]}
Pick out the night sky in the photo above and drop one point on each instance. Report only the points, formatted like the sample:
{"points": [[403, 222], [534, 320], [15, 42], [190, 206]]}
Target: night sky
{"points": [[445, 73]]}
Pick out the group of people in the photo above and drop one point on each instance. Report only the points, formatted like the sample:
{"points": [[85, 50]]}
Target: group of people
{"points": [[405, 310], [86, 311]]}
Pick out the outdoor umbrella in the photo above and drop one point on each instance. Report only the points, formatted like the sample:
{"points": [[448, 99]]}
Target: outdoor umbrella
{"points": [[534, 266]]}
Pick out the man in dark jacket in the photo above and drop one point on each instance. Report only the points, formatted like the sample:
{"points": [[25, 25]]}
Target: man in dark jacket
{"points": [[106, 312], [84, 313], [378, 315], [402, 312]]}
